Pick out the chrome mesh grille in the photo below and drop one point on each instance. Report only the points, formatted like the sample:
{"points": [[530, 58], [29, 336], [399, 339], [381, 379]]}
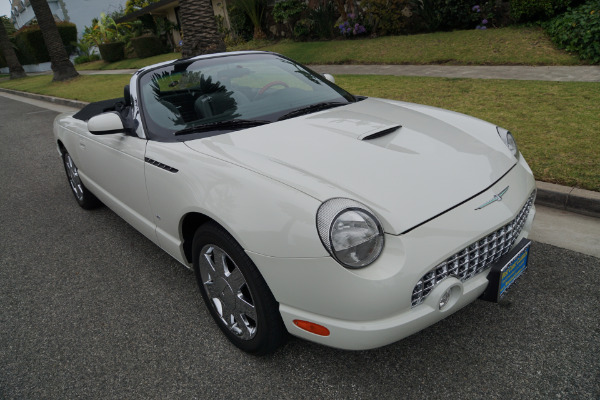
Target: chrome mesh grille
{"points": [[474, 258]]}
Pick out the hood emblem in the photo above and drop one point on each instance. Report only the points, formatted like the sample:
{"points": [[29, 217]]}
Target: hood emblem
{"points": [[497, 197]]}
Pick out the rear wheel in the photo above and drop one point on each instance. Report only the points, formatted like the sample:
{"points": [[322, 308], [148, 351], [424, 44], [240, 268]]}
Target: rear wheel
{"points": [[235, 293], [83, 196]]}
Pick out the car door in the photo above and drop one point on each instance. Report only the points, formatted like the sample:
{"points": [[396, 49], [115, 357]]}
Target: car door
{"points": [[113, 166]]}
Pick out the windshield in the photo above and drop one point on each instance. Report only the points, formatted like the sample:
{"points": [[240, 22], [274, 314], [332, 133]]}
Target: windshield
{"points": [[246, 87]]}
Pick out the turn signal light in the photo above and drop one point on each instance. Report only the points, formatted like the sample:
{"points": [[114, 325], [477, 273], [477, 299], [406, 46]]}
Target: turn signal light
{"points": [[312, 327]]}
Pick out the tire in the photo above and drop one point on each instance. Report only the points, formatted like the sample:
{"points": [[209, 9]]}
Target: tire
{"points": [[84, 197], [235, 293]]}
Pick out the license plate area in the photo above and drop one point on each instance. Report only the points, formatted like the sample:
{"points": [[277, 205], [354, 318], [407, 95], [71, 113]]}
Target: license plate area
{"points": [[506, 270]]}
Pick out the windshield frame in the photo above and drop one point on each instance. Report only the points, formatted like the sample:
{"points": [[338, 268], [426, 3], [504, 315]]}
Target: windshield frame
{"points": [[154, 132]]}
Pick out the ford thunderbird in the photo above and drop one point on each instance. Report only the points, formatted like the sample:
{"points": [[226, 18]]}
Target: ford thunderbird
{"points": [[345, 220]]}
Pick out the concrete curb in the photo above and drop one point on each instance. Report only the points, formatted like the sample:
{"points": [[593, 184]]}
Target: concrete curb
{"points": [[50, 99], [572, 199]]}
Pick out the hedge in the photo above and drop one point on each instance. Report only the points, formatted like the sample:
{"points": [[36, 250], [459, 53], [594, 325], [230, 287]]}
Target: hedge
{"points": [[578, 30], [147, 46], [31, 48], [112, 52]]}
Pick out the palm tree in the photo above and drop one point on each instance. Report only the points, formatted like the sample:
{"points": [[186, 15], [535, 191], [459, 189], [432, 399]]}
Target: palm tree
{"points": [[61, 65], [200, 35], [14, 66]]}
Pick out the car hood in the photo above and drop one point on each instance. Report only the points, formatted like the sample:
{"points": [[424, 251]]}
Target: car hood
{"points": [[407, 162]]}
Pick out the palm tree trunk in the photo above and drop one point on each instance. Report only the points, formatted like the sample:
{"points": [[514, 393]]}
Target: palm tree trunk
{"points": [[200, 35], [61, 65], [14, 66]]}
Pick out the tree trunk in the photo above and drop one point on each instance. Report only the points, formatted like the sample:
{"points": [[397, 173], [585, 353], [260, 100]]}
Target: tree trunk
{"points": [[61, 65], [14, 66], [200, 35]]}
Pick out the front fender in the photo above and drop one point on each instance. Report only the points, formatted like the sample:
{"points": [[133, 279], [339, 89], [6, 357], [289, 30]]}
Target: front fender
{"points": [[263, 215]]}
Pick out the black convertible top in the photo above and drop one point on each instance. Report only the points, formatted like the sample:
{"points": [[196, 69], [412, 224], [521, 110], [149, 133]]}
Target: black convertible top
{"points": [[99, 107]]}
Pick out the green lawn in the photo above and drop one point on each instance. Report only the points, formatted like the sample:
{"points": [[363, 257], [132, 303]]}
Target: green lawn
{"points": [[556, 124], [504, 46], [85, 87], [130, 63]]}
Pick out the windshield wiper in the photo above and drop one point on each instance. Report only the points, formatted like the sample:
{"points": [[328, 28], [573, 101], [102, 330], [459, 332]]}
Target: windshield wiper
{"points": [[311, 108], [221, 125]]}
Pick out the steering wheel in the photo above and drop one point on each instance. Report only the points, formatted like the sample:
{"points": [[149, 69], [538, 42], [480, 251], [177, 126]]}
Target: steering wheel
{"points": [[268, 85]]}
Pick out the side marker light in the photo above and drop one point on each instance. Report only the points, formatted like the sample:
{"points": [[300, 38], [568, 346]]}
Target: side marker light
{"points": [[312, 327]]}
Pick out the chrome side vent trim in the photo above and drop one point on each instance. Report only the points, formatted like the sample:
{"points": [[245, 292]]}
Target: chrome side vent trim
{"points": [[160, 165], [375, 135]]}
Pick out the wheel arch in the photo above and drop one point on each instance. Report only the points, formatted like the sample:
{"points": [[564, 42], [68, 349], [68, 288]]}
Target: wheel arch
{"points": [[190, 223], [61, 147]]}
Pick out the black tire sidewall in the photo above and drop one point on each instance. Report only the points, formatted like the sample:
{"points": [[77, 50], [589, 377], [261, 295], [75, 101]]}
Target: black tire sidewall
{"points": [[269, 331]]}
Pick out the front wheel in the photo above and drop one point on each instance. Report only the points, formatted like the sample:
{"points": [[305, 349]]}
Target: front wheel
{"points": [[84, 197], [235, 293]]}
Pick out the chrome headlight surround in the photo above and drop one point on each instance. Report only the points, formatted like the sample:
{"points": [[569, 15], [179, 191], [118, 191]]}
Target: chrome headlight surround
{"points": [[350, 232], [509, 141]]}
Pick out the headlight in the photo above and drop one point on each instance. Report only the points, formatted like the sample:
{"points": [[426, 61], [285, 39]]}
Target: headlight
{"points": [[509, 141], [350, 232]]}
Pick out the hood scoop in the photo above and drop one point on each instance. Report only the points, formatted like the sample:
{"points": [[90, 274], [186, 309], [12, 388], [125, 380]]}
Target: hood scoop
{"points": [[377, 135]]}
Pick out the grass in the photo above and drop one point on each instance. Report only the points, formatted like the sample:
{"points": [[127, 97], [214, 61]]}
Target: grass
{"points": [[556, 124], [84, 88], [130, 63], [504, 46]]}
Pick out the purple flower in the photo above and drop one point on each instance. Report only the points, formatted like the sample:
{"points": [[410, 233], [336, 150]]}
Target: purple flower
{"points": [[476, 8], [485, 21], [351, 16]]}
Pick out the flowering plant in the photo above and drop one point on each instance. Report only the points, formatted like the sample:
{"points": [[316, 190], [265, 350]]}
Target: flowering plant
{"points": [[351, 27], [484, 21]]}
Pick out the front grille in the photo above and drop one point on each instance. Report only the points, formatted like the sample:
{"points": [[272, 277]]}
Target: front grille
{"points": [[474, 258]]}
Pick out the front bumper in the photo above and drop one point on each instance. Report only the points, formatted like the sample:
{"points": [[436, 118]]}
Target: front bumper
{"points": [[371, 307]]}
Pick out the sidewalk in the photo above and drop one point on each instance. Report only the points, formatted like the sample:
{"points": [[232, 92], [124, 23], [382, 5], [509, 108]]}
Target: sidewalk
{"points": [[587, 73]]}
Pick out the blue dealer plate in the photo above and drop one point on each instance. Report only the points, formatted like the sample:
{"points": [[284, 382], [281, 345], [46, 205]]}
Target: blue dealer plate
{"points": [[513, 269]]}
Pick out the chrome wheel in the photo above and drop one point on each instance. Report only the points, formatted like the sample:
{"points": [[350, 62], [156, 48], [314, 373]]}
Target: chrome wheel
{"points": [[73, 176], [228, 291], [84, 197]]}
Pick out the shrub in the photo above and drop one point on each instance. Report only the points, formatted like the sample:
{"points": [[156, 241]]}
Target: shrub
{"points": [[240, 23], [288, 12], [86, 58], [68, 35], [446, 15], [536, 10], [387, 17], [578, 30], [31, 48], [112, 52], [147, 46], [302, 29], [494, 13], [323, 20], [256, 12], [352, 27]]}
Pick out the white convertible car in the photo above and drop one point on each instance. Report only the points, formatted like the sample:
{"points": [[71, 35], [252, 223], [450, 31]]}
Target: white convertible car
{"points": [[345, 220]]}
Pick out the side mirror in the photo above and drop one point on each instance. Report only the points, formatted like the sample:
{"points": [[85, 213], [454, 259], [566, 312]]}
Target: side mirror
{"points": [[105, 124], [329, 77]]}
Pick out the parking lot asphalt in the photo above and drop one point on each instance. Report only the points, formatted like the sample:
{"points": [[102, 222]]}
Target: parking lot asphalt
{"points": [[89, 308]]}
